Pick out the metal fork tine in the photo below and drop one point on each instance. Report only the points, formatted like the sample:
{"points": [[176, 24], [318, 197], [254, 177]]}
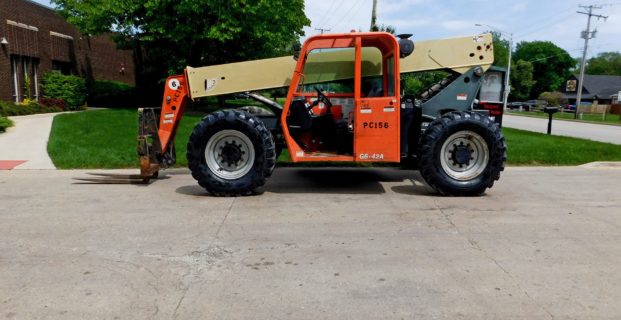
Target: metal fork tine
{"points": [[116, 175], [111, 181]]}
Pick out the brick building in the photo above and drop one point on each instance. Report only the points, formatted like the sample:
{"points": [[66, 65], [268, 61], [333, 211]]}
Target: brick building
{"points": [[34, 40]]}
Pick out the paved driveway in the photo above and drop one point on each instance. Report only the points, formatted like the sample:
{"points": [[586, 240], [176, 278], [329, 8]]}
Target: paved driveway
{"points": [[597, 132], [544, 243]]}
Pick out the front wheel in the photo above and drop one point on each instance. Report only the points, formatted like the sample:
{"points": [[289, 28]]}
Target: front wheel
{"points": [[231, 153], [462, 154]]}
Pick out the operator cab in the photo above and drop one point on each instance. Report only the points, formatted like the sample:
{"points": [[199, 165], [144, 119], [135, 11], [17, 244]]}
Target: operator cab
{"points": [[342, 103]]}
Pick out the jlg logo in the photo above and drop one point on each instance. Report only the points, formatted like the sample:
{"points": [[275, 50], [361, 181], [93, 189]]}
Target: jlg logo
{"points": [[375, 125]]}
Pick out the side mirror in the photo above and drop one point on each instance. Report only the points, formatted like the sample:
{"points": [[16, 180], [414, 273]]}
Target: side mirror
{"points": [[406, 46]]}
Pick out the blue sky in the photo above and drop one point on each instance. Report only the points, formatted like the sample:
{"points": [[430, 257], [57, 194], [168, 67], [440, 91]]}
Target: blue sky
{"points": [[528, 20]]}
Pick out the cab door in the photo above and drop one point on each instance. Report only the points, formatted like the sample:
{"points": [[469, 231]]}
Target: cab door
{"points": [[376, 131]]}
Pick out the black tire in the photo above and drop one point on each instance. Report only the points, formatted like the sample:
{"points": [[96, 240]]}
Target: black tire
{"points": [[255, 172], [444, 154]]}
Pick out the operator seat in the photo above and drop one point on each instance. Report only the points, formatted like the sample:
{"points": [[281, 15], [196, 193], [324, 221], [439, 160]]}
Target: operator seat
{"points": [[302, 121], [300, 117], [299, 120]]}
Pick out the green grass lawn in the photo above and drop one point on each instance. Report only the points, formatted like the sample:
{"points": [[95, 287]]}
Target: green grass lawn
{"points": [[104, 139], [597, 118], [107, 139], [531, 148]]}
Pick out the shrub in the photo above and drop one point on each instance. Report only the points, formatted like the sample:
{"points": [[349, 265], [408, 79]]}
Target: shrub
{"points": [[5, 123], [69, 88], [552, 98], [11, 109], [54, 102], [112, 94]]}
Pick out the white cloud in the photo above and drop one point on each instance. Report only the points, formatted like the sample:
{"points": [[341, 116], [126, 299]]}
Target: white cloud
{"points": [[457, 25]]}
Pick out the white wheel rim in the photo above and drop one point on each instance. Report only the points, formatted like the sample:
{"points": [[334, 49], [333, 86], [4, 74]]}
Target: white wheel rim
{"points": [[464, 155], [229, 154]]}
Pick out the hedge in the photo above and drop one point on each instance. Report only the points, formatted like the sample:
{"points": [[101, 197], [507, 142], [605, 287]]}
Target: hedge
{"points": [[11, 109], [69, 88], [112, 94]]}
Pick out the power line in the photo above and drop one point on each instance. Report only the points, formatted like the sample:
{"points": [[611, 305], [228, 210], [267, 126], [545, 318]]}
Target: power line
{"points": [[545, 26], [331, 14], [552, 56], [533, 24], [586, 35], [608, 3], [327, 13], [322, 30], [348, 14]]}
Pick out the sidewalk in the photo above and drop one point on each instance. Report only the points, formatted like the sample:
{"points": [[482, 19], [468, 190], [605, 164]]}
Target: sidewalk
{"points": [[590, 131], [24, 146]]}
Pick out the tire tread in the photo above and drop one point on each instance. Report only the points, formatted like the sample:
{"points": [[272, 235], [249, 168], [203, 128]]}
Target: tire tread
{"points": [[265, 161], [429, 163]]}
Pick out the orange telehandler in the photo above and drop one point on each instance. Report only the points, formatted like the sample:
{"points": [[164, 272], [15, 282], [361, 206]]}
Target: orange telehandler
{"points": [[344, 103]]}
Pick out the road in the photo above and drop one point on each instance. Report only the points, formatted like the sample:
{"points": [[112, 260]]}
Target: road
{"points": [[544, 243], [597, 132]]}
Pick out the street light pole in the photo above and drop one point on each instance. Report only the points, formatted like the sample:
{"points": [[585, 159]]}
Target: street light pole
{"points": [[508, 76], [508, 80]]}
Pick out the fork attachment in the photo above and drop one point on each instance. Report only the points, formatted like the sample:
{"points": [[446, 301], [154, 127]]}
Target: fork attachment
{"points": [[149, 145]]}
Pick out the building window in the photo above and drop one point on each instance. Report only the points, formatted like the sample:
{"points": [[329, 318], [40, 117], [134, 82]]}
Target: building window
{"points": [[15, 79], [25, 78], [62, 67]]}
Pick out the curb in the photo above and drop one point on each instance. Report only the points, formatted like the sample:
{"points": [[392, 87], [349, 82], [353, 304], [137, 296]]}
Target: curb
{"points": [[602, 165]]}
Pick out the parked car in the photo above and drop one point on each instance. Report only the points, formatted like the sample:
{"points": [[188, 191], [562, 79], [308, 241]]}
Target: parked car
{"points": [[569, 108], [517, 105], [572, 107], [535, 105]]}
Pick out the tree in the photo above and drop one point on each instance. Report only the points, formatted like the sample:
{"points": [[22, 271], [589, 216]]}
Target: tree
{"points": [[554, 99], [501, 49], [551, 64], [173, 34], [416, 83], [385, 28], [605, 63], [521, 80]]}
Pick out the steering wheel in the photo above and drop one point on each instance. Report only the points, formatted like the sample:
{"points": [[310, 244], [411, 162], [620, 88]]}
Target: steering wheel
{"points": [[320, 98]]}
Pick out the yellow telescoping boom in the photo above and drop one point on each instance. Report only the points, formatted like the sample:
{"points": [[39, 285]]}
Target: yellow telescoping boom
{"points": [[456, 54]]}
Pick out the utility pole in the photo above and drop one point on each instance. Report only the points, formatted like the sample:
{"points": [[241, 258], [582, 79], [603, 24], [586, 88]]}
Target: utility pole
{"points": [[374, 17], [586, 35], [322, 30]]}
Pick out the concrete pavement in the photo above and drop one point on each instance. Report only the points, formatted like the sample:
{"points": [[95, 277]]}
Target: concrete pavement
{"points": [[27, 141], [544, 243], [596, 132]]}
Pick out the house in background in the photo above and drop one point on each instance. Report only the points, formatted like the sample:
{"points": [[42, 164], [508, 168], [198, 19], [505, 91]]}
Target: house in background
{"points": [[615, 107], [596, 89], [35, 40]]}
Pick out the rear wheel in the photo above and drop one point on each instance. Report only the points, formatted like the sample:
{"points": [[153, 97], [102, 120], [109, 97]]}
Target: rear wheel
{"points": [[462, 154], [231, 153]]}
